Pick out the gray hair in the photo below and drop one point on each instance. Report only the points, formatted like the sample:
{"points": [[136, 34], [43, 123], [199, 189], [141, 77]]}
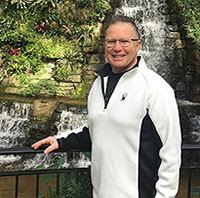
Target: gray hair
{"points": [[121, 18]]}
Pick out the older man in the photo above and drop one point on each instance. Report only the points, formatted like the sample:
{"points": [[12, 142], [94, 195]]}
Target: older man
{"points": [[133, 124]]}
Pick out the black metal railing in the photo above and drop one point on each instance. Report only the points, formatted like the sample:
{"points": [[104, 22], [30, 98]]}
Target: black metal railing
{"points": [[192, 148], [37, 173], [29, 150]]}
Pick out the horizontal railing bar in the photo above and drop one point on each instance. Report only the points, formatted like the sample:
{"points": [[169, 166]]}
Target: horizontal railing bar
{"points": [[19, 150], [29, 150], [190, 146], [63, 170], [44, 171], [190, 167]]}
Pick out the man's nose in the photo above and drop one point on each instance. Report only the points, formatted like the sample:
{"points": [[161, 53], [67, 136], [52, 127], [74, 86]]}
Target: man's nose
{"points": [[117, 46]]}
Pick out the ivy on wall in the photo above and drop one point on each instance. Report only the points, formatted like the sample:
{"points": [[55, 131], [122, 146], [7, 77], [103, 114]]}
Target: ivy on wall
{"points": [[60, 34], [190, 12]]}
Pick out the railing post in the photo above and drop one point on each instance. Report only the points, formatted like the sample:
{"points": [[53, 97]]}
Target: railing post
{"points": [[16, 185], [58, 183], [189, 183], [37, 185]]}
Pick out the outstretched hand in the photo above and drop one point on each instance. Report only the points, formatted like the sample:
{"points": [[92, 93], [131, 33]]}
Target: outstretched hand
{"points": [[49, 140]]}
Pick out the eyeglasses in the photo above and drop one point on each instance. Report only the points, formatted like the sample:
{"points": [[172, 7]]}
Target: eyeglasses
{"points": [[122, 42]]}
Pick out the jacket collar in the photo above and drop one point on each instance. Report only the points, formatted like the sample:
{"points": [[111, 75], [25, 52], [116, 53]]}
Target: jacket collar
{"points": [[107, 68]]}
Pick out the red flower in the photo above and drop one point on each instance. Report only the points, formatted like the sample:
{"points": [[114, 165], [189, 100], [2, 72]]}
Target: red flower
{"points": [[7, 75], [67, 27], [42, 26], [14, 51], [86, 51]]}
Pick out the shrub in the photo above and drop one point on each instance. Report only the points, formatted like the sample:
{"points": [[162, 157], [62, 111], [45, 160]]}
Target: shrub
{"points": [[35, 33], [190, 12]]}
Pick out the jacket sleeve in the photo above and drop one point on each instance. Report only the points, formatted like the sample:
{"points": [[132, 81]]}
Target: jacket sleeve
{"points": [[80, 140], [164, 114]]}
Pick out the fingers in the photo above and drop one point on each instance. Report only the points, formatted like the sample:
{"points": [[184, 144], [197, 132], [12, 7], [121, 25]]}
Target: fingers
{"points": [[41, 142], [54, 146], [49, 140]]}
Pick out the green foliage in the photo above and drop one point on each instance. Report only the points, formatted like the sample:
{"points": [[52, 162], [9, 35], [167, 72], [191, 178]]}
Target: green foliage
{"points": [[190, 12], [72, 184], [82, 3], [76, 185], [35, 33], [34, 89], [24, 79], [80, 92], [63, 69]]}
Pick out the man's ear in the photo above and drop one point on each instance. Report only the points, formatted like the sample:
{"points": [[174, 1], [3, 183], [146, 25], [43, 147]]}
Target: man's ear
{"points": [[138, 44]]}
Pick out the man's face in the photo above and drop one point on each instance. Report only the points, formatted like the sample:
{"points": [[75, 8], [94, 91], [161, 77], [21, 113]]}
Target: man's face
{"points": [[121, 58]]}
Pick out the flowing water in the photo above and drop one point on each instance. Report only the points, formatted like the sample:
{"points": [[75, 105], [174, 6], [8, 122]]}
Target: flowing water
{"points": [[151, 20], [18, 128]]}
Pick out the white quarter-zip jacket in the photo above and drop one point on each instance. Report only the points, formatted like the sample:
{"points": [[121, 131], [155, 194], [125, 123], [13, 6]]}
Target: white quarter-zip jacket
{"points": [[135, 137]]}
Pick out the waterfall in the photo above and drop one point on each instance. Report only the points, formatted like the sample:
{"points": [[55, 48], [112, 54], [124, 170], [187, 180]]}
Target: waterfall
{"points": [[190, 121], [70, 121], [19, 128], [13, 122], [151, 19], [158, 49]]}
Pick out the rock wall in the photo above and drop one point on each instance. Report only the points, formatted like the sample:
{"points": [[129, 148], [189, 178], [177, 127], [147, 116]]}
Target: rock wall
{"points": [[187, 58]]}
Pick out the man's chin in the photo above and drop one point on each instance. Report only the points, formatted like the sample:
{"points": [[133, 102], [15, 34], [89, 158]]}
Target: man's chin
{"points": [[117, 64], [118, 68]]}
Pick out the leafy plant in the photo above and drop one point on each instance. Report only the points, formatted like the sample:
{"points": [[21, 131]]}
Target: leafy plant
{"points": [[35, 33], [34, 89], [76, 185], [190, 12], [72, 184], [82, 3], [80, 92]]}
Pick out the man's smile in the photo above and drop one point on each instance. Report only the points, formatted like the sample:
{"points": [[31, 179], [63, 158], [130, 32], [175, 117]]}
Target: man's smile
{"points": [[118, 56]]}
